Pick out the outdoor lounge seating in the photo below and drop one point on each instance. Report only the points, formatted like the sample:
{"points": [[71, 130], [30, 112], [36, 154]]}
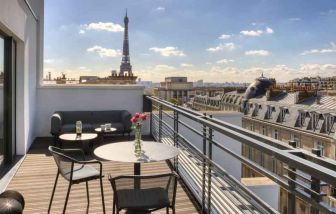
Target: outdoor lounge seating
{"points": [[155, 192], [72, 166], [64, 121]]}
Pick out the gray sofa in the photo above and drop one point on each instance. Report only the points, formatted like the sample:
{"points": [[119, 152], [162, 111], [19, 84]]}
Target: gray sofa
{"points": [[65, 121]]}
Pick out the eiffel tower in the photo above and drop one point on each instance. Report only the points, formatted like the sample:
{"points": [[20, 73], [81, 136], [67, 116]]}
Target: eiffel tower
{"points": [[125, 67]]}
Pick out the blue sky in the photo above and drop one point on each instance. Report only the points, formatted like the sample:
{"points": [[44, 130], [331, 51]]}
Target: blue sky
{"points": [[214, 40]]}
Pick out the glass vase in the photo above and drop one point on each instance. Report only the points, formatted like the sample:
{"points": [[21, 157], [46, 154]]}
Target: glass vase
{"points": [[137, 142]]}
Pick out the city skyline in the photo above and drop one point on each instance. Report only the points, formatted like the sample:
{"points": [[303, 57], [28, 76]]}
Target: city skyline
{"points": [[218, 42]]}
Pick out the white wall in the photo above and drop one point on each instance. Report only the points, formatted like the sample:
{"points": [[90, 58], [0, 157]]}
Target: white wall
{"points": [[72, 98], [17, 21]]}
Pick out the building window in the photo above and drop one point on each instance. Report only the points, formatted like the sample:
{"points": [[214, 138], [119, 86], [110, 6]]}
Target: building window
{"points": [[319, 145], [263, 130], [276, 134], [296, 138], [252, 127]]}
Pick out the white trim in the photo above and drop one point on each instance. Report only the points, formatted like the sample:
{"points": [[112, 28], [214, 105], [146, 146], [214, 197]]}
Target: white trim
{"points": [[98, 87]]}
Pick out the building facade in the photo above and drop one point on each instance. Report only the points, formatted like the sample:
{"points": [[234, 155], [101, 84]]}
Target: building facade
{"points": [[309, 122], [177, 88]]}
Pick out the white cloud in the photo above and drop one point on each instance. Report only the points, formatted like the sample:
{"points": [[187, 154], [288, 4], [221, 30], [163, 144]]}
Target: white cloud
{"points": [[268, 30], [102, 26], [186, 65], [163, 67], [104, 52], [160, 9], [48, 61], [294, 19], [251, 32], [224, 61], [224, 36], [331, 49], [222, 46], [257, 53], [167, 51]]}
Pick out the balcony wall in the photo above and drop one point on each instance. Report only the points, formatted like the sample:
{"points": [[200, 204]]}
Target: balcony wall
{"points": [[72, 98], [17, 21]]}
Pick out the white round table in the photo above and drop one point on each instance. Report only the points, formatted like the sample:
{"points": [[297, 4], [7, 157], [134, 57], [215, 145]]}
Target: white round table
{"points": [[102, 133], [124, 152], [84, 138]]}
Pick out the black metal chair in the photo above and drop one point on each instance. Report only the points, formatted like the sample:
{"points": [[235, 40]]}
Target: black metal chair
{"points": [[148, 193], [72, 166]]}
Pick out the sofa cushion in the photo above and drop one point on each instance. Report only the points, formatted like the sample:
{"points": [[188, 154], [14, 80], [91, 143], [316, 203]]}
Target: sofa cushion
{"points": [[103, 117], [71, 128], [70, 117]]}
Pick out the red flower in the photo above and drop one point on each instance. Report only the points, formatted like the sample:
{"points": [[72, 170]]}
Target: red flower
{"points": [[134, 119], [143, 116], [137, 115]]}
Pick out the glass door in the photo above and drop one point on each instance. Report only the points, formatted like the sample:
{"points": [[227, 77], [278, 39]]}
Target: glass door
{"points": [[2, 53], [7, 100]]}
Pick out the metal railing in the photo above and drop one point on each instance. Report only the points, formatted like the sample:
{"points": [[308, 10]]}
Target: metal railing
{"points": [[216, 190]]}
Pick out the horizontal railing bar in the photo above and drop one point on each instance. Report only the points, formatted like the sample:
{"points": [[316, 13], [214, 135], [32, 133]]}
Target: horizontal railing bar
{"points": [[297, 174]]}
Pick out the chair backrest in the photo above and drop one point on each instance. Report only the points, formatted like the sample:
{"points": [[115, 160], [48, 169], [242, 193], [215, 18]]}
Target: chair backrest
{"points": [[65, 164], [165, 181]]}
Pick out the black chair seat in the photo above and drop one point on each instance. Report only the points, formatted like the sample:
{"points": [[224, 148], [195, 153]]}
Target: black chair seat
{"points": [[143, 199], [83, 172]]}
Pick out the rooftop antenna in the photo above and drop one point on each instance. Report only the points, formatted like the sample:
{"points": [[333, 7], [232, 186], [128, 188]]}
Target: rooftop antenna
{"points": [[126, 12]]}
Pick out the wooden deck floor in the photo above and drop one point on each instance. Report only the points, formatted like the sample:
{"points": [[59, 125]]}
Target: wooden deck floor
{"points": [[36, 175]]}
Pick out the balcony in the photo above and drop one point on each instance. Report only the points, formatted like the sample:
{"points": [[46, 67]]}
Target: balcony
{"points": [[210, 181], [213, 153]]}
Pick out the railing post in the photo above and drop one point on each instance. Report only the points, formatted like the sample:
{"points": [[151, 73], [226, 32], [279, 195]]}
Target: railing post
{"points": [[160, 123], [315, 185], [291, 197], [204, 166], [151, 124], [176, 130], [209, 168]]}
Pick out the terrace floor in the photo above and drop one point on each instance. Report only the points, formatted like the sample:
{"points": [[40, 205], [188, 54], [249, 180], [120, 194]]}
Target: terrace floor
{"points": [[36, 176]]}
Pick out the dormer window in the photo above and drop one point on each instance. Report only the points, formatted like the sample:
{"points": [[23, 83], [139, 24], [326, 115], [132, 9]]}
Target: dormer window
{"points": [[301, 121], [256, 109], [328, 124], [315, 120], [269, 112], [282, 114]]}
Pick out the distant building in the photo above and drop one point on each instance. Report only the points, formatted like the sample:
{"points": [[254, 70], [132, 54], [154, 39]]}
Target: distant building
{"points": [[198, 83], [321, 83], [175, 88]]}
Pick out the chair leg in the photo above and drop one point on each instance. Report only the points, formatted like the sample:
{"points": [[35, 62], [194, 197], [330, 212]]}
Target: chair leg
{"points": [[67, 197], [53, 192], [173, 209], [114, 205], [167, 210], [102, 193], [87, 196]]}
